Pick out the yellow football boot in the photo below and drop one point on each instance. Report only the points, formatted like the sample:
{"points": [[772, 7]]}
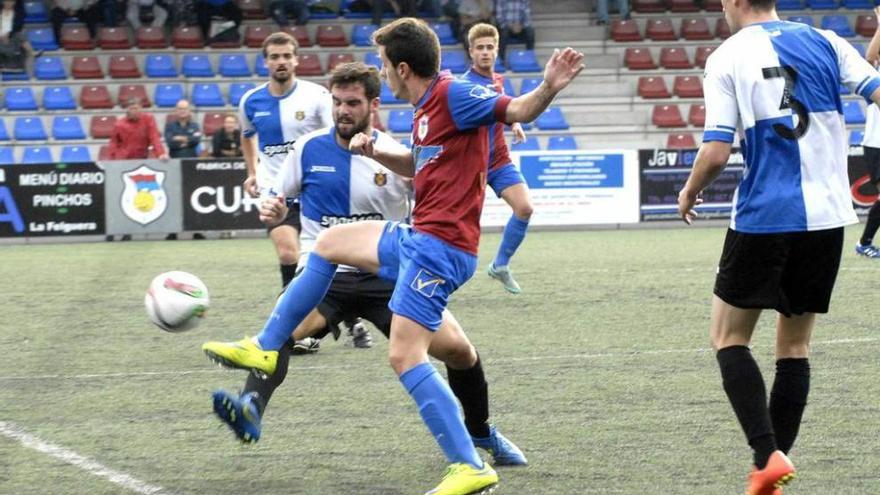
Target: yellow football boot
{"points": [[244, 354], [464, 479]]}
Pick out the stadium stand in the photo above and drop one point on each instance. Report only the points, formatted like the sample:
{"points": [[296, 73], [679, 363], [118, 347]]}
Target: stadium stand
{"points": [[75, 154], [37, 154], [66, 127]]}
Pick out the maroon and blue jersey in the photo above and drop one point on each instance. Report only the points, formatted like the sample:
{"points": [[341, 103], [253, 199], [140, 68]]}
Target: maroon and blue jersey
{"points": [[499, 155], [451, 154]]}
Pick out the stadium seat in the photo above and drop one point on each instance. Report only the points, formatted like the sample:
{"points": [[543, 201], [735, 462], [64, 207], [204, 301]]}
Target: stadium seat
{"points": [[444, 32], [625, 30], [330, 35], [866, 25], [212, 121], [722, 30], [29, 129], [237, 90], [697, 115], [790, 5], [499, 66], [124, 67], [95, 96], [646, 6], [234, 66], [667, 116], [261, 70], [683, 6], [37, 154], [20, 99], [300, 34], [4, 134], [652, 87], [76, 38], [335, 59], [687, 87], [151, 37], [639, 59], [101, 126], [858, 4], [251, 9], [309, 65], [693, 29], [255, 34], [839, 24], [660, 30], [454, 61], [681, 141], [75, 154], [529, 85], [552, 120], [49, 68], [712, 6], [167, 95], [129, 91], [508, 87], [35, 13], [859, 48], [562, 142], [400, 120], [58, 98], [523, 61], [530, 144], [856, 137], [702, 55], [372, 58], [104, 153], [196, 66], [361, 33], [386, 97], [114, 38], [86, 68], [160, 66], [187, 37], [6, 157], [853, 113], [207, 95], [67, 127], [42, 39], [674, 58], [803, 19], [822, 4]]}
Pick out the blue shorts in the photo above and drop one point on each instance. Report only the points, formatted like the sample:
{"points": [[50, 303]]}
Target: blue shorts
{"points": [[503, 177], [426, 271]]}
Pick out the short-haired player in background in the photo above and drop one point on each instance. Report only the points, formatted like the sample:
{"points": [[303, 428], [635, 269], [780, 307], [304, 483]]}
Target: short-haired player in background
{"points": [[504, 178], [871, 147], [777, 84]]}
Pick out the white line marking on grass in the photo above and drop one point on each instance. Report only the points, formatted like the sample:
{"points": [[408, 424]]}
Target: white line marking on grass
{"points": [[130, 483]]}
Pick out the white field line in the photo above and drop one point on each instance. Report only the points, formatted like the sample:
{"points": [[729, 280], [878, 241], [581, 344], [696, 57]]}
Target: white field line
{"points": [[130, 483]]}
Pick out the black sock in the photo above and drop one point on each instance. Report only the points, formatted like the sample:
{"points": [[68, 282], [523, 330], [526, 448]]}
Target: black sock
{"points": [[788, 398], [871, 225], [287, 274], [748, 396], [471, 389], [265, 388]]}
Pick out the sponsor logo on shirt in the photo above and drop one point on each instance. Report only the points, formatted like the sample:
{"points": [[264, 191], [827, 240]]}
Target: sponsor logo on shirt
{"points": [[424, 154], [482, 92], [262, 114], [322, 168], [278, 149], [331, 220], [426, 283]]}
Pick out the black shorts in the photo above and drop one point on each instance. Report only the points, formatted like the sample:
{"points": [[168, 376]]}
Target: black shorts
{"points": [[358, 295], [793, 273], [292, 219], [872, 163]]}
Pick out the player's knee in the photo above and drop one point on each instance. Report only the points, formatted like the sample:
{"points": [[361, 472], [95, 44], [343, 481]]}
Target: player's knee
{"points": [[523, 211], [325, 245], [399, 361], [796, 350], [461, 357], [288, 255]]}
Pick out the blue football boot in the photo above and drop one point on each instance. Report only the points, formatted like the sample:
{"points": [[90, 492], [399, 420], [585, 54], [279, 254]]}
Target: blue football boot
{"points": [[503, 451], [869, 251], [240, 413]]}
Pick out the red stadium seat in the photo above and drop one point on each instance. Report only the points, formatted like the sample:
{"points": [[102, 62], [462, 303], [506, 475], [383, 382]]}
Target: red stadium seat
{"points": [[309, 65], [653, 87], [86, 68], [151, 37], [130, 91], [255, 34], [101, 126], [687, 87], [76, 38], [114, 38], [695, 28], [251, 9], [643, 6], [722, 30], [187, 37], [331, 35], [627, 30], [683, 6], [95, 96], [104, 152], [866, 25], [674, 58], [124, 67], [703, 53], [697, 115], [681, 141], [667, 116], [639, 59], [212, 122], [660, 30], [335, 59], [300, 34], [712, 6]]}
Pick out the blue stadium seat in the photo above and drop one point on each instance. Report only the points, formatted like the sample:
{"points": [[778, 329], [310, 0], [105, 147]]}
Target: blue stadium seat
{"points": [[49, 68], [400, 120], [35, 13], [42, 39], [67, 127], [4, 134], [372, 58], [37, 154], [361, 33], [454, 60], [790, 5], [20, 99], [444, 32], [852, 113], [6, 157], [207, 95], [530, 144], [523, 61], [839, 24], [14, 76], [197, 66], [75, 154], [386, 96], [160, 66], [822, 4], [803, 19], [508, 87], [551, 120], [529, 85], [30, 129], [856, 137], [260, 68], [167, 95], [234, 66], [562, 142], [237, 90], [858, 4], [499, 66], [58, 98]]}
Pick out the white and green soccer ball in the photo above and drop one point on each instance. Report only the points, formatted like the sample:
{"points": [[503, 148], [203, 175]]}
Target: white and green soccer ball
{"points": [[176, 301]]}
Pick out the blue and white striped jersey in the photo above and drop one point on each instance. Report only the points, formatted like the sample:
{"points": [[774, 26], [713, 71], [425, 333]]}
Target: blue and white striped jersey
{"points": [[278, 121], [335, 186], [777, 85]]}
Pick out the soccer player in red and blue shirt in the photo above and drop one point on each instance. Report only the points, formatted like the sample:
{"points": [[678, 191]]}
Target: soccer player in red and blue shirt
{"points": [[435, 256]]}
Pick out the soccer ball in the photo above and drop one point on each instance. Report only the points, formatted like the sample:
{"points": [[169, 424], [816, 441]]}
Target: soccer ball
{"points": [[176, 301]]}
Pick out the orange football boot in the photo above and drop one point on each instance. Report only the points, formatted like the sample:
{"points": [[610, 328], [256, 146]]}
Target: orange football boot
{"points": [[770, 480]]}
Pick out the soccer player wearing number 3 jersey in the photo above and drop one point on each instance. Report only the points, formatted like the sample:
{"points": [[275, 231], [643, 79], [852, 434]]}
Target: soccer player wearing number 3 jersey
{"points": [[776, 84]]}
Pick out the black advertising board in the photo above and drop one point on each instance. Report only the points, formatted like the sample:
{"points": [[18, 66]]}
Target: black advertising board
{"points": [[214, 198], [51, 200], [864, 193]]}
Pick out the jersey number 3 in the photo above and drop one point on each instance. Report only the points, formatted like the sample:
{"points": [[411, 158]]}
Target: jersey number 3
{"points": [[789, 101]]}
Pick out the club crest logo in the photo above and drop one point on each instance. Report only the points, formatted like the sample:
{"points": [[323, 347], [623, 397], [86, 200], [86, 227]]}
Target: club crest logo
{"points": [[300, 115], [423, 127], [144, 200], [426, 283], [380, 178]]}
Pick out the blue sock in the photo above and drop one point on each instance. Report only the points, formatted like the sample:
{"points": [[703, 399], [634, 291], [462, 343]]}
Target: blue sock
{"points": [[514, 233], [301, 296], [440, 412]]}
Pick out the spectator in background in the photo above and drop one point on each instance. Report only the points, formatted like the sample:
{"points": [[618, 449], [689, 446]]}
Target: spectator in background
{"points": [[602, 10], [514, 19], [135, 134], [400, 8], [182, 135], [88, 11], [206, 9], [280, 9], [471, 12], [449, 8], [226, 142], [143, 13]]}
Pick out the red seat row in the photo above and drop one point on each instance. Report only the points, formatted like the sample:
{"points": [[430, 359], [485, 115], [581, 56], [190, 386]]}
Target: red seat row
{"points": [[644, 6], [683, 87], [670, 58], [693, 29], [101, 126], [670, 116]]}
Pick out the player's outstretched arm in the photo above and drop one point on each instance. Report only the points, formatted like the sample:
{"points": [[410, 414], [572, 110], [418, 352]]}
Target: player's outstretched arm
{"points": [[711, 160], [398, 161], [560, 70]]}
